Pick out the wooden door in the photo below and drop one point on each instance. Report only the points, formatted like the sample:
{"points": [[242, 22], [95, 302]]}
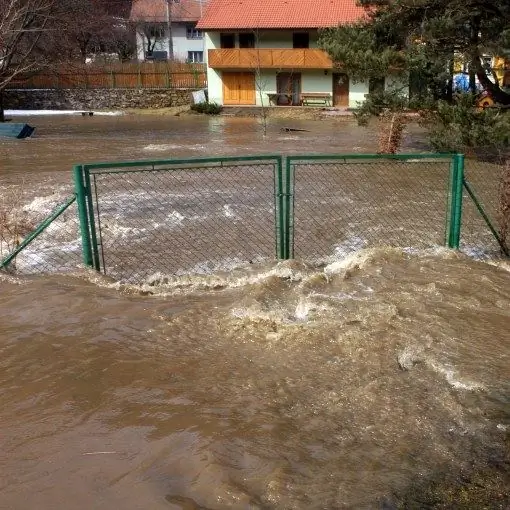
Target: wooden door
{"points": [[238, 88], [340, 89]]}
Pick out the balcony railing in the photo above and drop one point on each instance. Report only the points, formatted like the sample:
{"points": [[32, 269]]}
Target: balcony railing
{"points": [[241, 58]]}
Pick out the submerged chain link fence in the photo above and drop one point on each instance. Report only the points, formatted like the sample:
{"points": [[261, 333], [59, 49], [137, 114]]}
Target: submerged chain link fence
{"points": [[143, 220], [177, 217], [481, 209], [346, 203], [53, 246]]}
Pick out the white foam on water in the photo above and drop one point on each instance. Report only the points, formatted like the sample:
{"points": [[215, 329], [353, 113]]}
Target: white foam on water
{"points": [[162, 147], [175, 218], [302, 309], [227, 211], [453, 379], [213, 275], [44, 205], [353, 260], [45, 254], [352, 244], [120, 231]]}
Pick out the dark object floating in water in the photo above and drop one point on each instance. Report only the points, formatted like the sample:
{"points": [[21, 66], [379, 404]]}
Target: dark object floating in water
{"points": [[84, 114], [15, 129], [294, 129]]}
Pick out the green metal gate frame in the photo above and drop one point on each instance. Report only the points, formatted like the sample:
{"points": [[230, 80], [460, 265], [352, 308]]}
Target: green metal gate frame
{"points": [[454, 208], [85, 202], [283, 192]]}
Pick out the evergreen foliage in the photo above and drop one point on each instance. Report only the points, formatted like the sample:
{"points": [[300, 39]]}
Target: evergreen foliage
{"points": [[419, 38]]}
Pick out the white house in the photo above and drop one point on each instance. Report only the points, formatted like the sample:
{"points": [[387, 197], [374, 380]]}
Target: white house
{"points": [[265, 52], [156, 19]]}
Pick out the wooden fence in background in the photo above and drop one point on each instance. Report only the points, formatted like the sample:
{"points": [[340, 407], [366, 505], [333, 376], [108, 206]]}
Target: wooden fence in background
{"points": [[144, 75]]}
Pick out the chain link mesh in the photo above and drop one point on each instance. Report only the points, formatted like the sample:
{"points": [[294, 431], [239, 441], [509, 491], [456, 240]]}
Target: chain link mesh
{"points": [[484, 178], [178, 219], [341, 206], [56, 249]]}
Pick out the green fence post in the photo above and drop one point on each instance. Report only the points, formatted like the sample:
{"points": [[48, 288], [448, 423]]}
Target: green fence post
{"points": [[456, 201], [289, 215], [279, 213], [92, 223], [81, 200]]}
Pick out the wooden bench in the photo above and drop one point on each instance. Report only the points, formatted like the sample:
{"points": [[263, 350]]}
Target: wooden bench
{"points": [[274, 99], [314, 98]]}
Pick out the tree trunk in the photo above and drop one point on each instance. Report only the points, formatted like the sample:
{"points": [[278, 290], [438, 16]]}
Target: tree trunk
{"points": [[2, 116], [472, 81], [449, 84], [496, 93]]}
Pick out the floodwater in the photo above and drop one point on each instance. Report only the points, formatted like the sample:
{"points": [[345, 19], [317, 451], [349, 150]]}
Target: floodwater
{"points": [[376, 379]]}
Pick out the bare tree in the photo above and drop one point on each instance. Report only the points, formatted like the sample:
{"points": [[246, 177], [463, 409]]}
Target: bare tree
{"points": [[94, 26], [24, 25]]}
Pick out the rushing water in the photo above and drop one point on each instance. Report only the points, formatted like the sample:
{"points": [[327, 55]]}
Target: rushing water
{"points": [[354, 384]]}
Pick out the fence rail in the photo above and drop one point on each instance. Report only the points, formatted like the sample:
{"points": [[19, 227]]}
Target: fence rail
{"points": [[122, 76], [139, 220]]}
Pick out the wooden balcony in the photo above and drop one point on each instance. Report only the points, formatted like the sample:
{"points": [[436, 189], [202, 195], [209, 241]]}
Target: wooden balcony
{"points": [[236, 58]]}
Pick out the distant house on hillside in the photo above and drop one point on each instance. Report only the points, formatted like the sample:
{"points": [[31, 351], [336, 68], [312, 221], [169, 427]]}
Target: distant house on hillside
{"points": [[265, 52], [153, 18]]}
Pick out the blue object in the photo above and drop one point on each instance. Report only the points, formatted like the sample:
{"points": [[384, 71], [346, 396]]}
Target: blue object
{"points": [[15, 129]]}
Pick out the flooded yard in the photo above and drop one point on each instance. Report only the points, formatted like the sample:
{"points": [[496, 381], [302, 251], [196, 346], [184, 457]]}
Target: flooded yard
{"points": [[373, 378]]}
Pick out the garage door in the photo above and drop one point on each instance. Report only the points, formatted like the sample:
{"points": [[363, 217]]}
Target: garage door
{"points": [[238, 88]]}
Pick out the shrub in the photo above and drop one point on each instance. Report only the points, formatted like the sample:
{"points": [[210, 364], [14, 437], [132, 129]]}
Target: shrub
{"points": [[207, 108]]}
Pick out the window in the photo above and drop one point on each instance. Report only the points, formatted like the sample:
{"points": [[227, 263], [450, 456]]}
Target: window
{"points": [[227, 40], [196, 56], [376, 85], [193, 33], [247, 40], [300, 40], [156, 31]]}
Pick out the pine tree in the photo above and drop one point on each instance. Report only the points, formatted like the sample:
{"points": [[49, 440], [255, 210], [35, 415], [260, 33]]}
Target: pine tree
{"points": [[419, 38]]}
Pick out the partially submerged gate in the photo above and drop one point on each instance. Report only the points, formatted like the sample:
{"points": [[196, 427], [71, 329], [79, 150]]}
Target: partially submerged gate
{"points": [[177, 216]]}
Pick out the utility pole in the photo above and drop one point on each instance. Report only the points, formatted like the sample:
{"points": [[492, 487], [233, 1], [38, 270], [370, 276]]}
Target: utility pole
{"points": [[169, 29]]}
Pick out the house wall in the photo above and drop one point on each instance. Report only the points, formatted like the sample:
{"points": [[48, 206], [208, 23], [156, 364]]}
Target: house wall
{"points": [[214, 83], [267, 39], [181, 44], [357, 92], [265, 82]]}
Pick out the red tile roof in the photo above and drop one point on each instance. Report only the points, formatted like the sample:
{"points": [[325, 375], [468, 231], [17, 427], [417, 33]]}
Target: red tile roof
{"points": [[251, 14], [155, 10]]}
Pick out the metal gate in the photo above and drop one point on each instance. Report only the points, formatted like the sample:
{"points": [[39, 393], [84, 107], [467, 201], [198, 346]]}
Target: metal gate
{"points": [[146, 218]]}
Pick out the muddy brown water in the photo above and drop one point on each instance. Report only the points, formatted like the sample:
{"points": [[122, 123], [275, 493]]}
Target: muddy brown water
{"points": [[278, 385]]}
